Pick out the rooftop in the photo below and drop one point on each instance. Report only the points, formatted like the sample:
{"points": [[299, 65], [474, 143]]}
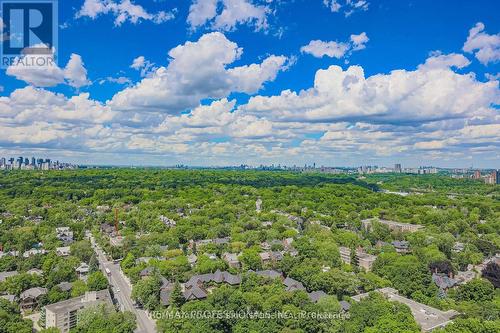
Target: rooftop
{"points": [[87, 299], [427, 317]]}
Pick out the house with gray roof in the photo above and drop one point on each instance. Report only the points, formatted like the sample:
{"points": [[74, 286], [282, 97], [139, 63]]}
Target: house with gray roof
{"points": [[345, 306], [270, 274], [401, 246], [231, 259], [29, 298], [8, 274], [65, 235], [292, 285], [65, 286], [443, 281], [276, 256], [63, 251], [194, 293], [315, 296], [82, 270], [9, 297], [148, 271]]}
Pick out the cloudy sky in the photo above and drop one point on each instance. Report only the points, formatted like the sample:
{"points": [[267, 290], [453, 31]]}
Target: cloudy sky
{"points": [[224, 82]]}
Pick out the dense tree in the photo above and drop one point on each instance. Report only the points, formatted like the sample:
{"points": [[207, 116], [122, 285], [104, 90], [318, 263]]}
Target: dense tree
{"points": [[97, 281], [11, 320], [476, 290], [147, 292], [104, 319]]}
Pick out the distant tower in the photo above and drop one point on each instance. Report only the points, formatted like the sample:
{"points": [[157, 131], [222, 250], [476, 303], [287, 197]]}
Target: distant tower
{"points": [[397, 168], [477, 174]]}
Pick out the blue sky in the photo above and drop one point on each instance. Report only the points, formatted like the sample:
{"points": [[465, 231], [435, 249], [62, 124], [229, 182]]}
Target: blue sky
{"points": [[218, 82]]}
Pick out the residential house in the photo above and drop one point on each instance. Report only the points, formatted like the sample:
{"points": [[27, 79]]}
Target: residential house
{"points": [[365, 260], [231, 259], [9, 254], [287, 243], [401, 246], [33, 252], [464, 277], [5, 275], [265, 257], [143, 260], [265, 246], [276, 256], [65, 286], [148, 271], [194, 292], [167, 222], [292, 252], [345, 306], [82, 271], [226, 277], [267, 224], [292, 285], [29, 299], [315, 296], [64, 234], [63, 251], [64, 315], [9, 297], [443, 281], [458, 247], [192, 259], [270, 274], [221, 241], [166, 291]]}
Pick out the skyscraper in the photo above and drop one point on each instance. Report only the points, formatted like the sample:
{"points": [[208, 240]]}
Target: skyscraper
{"points": [[397, 168]]}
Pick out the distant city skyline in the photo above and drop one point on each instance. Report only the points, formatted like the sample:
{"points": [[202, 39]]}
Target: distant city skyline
{"points": [[204, 82], [311, 164]]}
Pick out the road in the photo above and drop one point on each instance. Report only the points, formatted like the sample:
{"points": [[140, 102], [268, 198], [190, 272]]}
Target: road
{"points": [[118, 281]]}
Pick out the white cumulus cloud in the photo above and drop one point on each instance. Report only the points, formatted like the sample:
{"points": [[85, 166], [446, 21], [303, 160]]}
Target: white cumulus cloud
{"points": [[123, 11], [226, 15], [197, 70], [46, 73], [485, 47], [334, 49]]}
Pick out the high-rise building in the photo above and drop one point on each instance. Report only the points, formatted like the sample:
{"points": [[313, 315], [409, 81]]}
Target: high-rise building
{"points": [[495, 177], [477, 174], [397, 168]]}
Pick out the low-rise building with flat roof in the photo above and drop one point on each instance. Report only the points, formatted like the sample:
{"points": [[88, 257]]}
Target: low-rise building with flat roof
{"points": [[64, 315], [427, 317], [393, 225]]}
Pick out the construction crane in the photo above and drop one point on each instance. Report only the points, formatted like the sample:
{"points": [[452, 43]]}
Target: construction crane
{"points": [[116, 222]]}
